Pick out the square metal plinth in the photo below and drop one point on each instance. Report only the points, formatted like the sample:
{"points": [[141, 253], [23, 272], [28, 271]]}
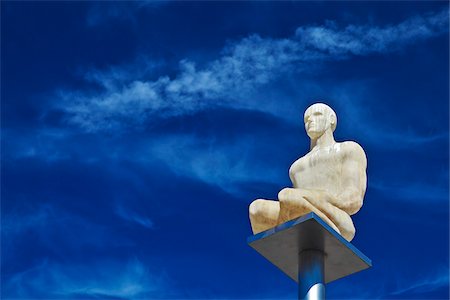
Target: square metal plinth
{"points": [[281, 245]]}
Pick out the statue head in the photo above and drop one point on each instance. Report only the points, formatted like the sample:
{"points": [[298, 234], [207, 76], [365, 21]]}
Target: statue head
{"points": [[318, 119]]}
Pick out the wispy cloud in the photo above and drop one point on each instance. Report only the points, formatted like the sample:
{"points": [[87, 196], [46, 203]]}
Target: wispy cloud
{"points": [[395, 285], [100, 14], [218, 164], [224, 163], [39, 219], [414, 191], [432, 282], [402, 140], [357, 99], [49, 279], [232, 79], [133, 217], [50, 223], [364, 40], [36, 143], [114, 77]]}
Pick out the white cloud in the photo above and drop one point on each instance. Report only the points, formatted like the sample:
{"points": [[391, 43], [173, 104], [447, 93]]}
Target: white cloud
{"points": [[39, 143], [50, 279], [116, 76], [363, 40], [218, 164], [48, 223], [100, 14], [358, 100], [133, 217], [396, 285], [421, 193], [437, 280], [128, 279], [16, 223], [232, 79]]}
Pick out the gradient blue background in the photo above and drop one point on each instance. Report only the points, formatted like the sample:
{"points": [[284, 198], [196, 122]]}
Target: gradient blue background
{"points": [[135, 135]]}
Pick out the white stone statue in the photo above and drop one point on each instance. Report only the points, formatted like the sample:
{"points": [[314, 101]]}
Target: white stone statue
{"points": [[330, 180]]}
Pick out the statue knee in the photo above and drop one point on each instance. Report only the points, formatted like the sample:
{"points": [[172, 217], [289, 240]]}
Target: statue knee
{"points": [[290, 196], [255, 207], [284, 194]]}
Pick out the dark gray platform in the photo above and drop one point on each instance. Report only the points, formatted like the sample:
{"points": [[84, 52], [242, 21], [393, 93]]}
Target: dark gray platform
{"points": [[281, 245]]}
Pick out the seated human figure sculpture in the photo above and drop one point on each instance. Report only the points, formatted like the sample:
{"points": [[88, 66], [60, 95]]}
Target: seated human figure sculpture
{"points": [[330, 180]]}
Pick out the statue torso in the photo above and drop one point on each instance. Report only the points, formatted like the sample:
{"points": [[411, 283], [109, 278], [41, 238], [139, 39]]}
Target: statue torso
{"points": [[319, 170]]}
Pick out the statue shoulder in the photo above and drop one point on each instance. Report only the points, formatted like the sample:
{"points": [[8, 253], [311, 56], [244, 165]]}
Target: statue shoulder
{"points": [[353, 150], [297, 165]]}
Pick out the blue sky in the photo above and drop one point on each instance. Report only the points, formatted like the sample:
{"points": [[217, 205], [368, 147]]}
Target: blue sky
{"points": [[136, 134]]}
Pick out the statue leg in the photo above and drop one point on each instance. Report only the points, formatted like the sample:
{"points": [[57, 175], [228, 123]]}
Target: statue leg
{"points": [[294, 205], [297, 202], [263, 214]]}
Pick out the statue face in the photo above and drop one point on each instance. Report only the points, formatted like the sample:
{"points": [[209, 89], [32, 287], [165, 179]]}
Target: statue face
{"points": [[318, 118]]}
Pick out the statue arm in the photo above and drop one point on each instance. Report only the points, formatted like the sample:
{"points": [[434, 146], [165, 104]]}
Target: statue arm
{"points": [[354, 180]]}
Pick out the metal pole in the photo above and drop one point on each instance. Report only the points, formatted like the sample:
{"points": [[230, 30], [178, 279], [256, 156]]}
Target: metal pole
{"points": [[311, 284]]}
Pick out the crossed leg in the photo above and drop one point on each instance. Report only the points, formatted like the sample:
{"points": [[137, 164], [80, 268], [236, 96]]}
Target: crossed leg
{"points": [[293, 203], [297, 202]]}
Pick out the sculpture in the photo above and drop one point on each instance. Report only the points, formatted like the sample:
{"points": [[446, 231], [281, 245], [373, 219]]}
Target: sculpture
{"points": [[330, 180]]}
